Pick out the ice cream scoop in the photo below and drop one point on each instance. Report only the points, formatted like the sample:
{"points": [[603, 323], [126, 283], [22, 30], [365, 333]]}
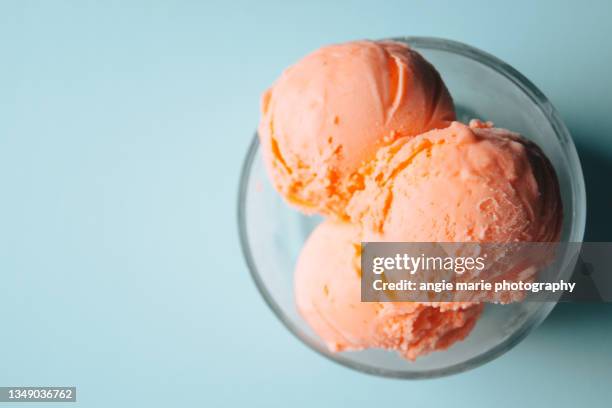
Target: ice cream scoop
{"points": [[327, 115], [328, 295], [460, 184]]}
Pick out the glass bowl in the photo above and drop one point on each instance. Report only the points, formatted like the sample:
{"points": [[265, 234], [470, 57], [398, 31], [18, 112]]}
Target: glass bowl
{"points": [[483, 87]]}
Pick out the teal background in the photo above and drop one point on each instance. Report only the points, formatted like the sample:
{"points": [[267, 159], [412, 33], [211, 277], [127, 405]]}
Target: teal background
{"points": [[123, 126]]}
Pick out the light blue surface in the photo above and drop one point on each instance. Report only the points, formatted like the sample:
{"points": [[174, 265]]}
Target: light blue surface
{"points": [[122, 131]]}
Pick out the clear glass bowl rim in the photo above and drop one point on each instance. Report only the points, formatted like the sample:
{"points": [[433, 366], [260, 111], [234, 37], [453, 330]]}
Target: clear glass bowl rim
{"points": [[578, 206]]}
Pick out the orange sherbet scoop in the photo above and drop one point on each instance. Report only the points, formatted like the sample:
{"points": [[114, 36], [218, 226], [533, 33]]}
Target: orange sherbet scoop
{"points": [[328, 114], [328, 295], [460, 184]]}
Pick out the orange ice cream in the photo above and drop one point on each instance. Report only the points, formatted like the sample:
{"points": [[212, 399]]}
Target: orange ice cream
{"points": [[464, 184], [328, 295], [327, 115], [364, 133], [460, 184]]}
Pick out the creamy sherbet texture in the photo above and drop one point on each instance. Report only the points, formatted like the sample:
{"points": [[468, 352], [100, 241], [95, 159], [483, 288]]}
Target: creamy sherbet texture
{"points": [[327, 115], [460, 184], [328, 295], [364, 134]]}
